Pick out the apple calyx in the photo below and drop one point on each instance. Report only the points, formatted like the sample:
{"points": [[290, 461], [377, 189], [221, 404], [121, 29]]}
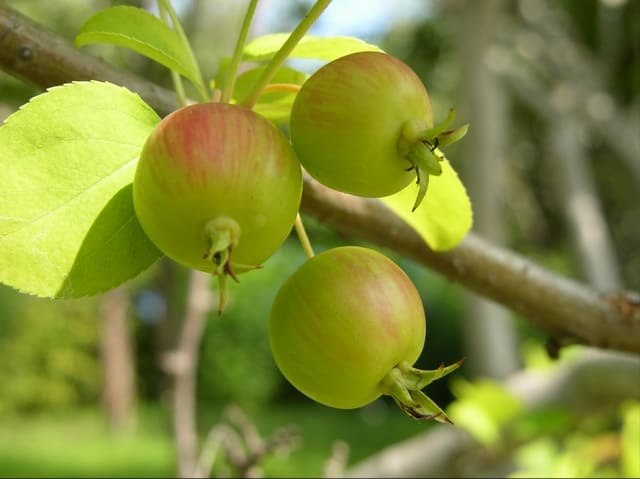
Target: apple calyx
{"points": [[420, 146], [223, 235], [404, 384]]}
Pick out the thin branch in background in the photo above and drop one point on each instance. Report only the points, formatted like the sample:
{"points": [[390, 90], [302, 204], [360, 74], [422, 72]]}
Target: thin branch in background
{"points": [[237, 439], [574, 79], [220, 436], [582, 207], [570, 64], [336, 465], [575, 66]]}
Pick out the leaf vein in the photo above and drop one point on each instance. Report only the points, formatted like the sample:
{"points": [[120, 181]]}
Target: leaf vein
{"points": [[70, 200]]}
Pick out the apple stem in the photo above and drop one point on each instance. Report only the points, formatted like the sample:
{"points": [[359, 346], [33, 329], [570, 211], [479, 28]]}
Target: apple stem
{"points": [[303, 237], [281, 88], [178, 86], [229, 84], [165, 5], [404, 383], [283, 53]]}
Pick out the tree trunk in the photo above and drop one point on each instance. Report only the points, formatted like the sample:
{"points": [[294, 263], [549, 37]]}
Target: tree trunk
{"points": [[583, 211], [118, 384], [182, 363], [490, 340]]}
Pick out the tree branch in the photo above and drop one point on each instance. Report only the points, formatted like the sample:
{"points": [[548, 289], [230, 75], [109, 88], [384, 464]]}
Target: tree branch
{"points": [[567, 310], [613, 124], [44, 59]]}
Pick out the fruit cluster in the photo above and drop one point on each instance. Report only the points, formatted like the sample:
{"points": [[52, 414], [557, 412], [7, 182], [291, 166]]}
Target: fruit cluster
{"points": [[218, 188]]}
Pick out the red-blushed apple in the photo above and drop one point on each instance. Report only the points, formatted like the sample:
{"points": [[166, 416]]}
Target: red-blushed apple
{"points": [[347, 327], [362, 124], [217, 188]]}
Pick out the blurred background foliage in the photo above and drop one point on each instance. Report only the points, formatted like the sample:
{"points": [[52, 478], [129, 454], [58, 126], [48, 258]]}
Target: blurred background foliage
{"points": [[579, 57]]}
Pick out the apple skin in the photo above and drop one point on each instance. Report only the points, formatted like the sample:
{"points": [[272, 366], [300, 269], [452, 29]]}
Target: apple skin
{"points": [[342, 322], [347, 121], [213, 160]]}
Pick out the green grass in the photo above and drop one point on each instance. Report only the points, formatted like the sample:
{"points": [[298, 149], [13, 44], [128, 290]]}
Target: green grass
{"points": [[80, 444]]}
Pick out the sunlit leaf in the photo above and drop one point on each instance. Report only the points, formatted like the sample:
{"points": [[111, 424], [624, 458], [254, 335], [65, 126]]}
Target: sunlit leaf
{"points": [[310, 47], [142, 32], [444, 217], [67, 225], [630, 439], [537, 458], [483, 407], [275, 105]]}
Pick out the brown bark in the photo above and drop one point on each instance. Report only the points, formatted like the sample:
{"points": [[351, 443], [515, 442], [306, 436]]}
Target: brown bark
{"points": [[39, 57], [118, 372]]}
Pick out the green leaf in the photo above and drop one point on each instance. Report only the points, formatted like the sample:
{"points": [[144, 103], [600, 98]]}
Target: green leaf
{"points": [[276, 105], [444, 217], [483, 407], [546, 421], [142, 32], [630, 438], [67, 225], [310, 47]]}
